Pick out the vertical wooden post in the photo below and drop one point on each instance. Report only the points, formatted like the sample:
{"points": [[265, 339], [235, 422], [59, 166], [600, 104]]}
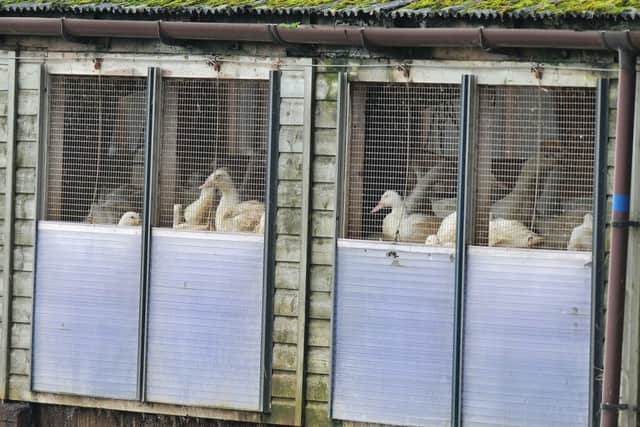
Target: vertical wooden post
{"points": [[305, 242], [7, 278]]}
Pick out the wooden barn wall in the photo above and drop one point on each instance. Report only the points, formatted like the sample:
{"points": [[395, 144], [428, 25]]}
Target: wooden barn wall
{"points": [[296, 273], [288, 247], [26, 157]]}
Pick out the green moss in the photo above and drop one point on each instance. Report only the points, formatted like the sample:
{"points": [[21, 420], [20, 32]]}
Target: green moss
{"points": [[296, 3], [554, 6]]}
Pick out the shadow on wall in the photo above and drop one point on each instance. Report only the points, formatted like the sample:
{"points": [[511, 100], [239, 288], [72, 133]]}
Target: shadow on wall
{"points": [[65, 416]]}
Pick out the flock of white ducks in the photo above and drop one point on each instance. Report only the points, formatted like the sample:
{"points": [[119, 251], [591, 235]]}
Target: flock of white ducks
{"points": [[406, 224], [231, 215]]}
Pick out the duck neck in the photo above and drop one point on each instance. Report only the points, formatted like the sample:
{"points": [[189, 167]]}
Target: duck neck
{"points": [[397, 207], [229, 195]]}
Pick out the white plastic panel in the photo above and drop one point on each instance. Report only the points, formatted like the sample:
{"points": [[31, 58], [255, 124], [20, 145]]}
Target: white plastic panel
{"points": [[86, 310], [393, 334], [527, 338], [205, 319]]}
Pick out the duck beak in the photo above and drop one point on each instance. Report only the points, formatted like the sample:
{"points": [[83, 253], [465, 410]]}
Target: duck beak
{"points": [[206, 184], [377, 208]]}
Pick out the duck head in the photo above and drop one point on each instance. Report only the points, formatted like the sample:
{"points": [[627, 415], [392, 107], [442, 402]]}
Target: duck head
{"points": [[130, 218], [219, 179], [534, 240], [390, 199]]}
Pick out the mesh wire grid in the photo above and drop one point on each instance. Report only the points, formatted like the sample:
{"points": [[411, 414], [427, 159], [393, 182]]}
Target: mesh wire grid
{"points": [[535, 167], [403, 163], [213, 155], [95, 151]]}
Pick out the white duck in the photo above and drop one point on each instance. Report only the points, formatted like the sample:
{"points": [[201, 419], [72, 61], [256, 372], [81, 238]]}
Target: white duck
{"points": [[197, 212], [446, 235], [512, 233], [580, 239], [410, 227], [231, 214], [129, 218]]}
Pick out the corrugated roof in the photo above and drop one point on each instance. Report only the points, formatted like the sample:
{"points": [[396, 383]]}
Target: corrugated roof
{"points": [[582, 10]]}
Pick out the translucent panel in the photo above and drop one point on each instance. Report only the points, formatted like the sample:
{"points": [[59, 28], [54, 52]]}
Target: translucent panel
{"points": [[393, 339], [86, 310], [526, 338], [205, 319]]}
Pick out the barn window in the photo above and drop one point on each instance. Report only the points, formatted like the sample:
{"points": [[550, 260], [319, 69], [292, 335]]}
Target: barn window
{"points": [[88, 250], [394, 293], [206, 288]]}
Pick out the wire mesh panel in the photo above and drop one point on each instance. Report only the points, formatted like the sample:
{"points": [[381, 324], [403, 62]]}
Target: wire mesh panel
{"points": [[535, 167], [402, 162], [213, 161], [206, 289], [88, 248], [95, 150], [393, 337]]}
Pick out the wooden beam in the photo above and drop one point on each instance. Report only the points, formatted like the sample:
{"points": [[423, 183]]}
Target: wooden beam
{"points": [[7, 260], [305, 242]]}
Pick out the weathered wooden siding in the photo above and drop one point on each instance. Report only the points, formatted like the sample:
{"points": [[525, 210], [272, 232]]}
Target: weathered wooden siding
{"points": [[288, 248], [323, 205], [26, 155]]}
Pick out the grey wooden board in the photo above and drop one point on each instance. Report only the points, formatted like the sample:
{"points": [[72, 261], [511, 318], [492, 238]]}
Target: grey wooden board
{"points": [[205, 319], [527, 338], [86, 310], [393, 334]]}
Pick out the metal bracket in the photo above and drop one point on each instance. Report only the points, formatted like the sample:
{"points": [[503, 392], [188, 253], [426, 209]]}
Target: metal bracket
{"points": [[625, 224], [615, 406], [537, 71], [405, 69], [215, 62]]}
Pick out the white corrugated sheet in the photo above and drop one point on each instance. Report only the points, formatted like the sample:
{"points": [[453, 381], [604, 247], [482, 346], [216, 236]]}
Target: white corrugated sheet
{"points": [[393, 334], [205, 319], [86, 310], [527, 338]]}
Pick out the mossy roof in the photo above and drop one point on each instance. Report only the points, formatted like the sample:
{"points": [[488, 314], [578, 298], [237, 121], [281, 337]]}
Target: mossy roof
{"points": [[487, 9]]}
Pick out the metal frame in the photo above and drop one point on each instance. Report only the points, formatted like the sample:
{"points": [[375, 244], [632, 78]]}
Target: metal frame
{"points": [[153, 107], [464, 223], [598, 247], [342, 132], [7, 267], [41, 193], [269, 261]]}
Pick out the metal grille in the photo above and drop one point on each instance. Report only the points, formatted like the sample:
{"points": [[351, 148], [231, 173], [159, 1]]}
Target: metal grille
{"points": [[214, 141], [403, 163], [95, 152], [535, 167]]}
